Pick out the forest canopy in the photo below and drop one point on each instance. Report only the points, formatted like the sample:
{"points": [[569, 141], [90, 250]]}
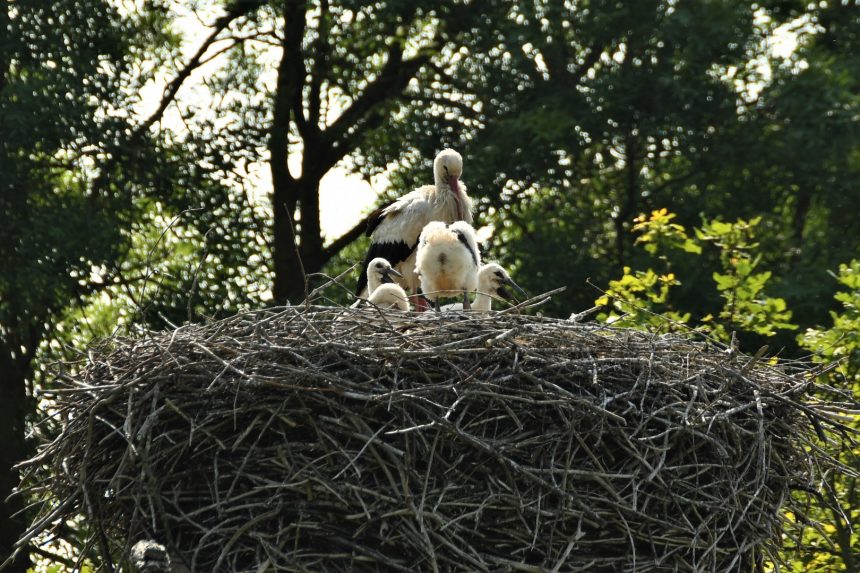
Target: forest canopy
{"points": [[161, 162]]}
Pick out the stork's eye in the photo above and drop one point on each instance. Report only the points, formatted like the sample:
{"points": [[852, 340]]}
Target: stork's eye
{"points": [[446, 169], [500, 275]]}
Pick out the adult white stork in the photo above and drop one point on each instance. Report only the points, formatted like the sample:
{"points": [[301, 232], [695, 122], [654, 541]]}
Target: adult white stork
{"points": [[378, 272], [447, 261], [394, 229], [492, 280]]}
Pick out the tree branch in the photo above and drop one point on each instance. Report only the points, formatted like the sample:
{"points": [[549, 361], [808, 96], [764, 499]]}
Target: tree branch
{"points": [[287, 91], [343, 135], [52, 556], [238, 9], [674, 181], [320, 67], [341, 242]]}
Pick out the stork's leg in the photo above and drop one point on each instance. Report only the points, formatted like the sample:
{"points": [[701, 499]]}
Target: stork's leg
{"points": [[436, 306], [467, 305], [421, 303]]}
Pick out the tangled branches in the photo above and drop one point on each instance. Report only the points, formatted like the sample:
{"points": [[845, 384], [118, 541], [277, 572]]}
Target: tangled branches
{"points": [[345, 439]]}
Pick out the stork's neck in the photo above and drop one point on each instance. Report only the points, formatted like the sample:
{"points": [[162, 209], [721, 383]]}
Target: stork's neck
{"points": [[373, 282], [454, 200], [483, 302], [443, 190]]}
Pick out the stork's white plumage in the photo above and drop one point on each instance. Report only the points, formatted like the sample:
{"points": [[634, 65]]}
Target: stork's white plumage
{"points": [[390, 295], [394, 230], [492, 280], [447, 261], [379, 272]]}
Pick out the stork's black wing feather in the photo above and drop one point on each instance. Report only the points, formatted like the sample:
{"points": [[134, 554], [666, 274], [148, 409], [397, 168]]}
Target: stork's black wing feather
{"points": [[462, 238], [374, 219], [394, 252]]}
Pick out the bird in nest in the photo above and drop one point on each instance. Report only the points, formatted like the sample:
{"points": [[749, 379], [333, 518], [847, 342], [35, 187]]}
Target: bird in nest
{"points": [[384, 292], [447, 261], [394, 230], [492, 282]]}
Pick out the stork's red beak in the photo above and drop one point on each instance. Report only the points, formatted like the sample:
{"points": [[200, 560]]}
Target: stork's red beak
{"points": [[454, 184]]}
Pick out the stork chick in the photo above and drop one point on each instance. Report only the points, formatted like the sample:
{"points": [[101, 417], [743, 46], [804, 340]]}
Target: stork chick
{"points": [[492, 280], [379, 272], [390, 295], [394, 229], [447, 261]]}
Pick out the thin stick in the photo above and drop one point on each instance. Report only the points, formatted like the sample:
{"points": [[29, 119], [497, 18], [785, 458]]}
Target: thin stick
{"points": [[298, 253]]}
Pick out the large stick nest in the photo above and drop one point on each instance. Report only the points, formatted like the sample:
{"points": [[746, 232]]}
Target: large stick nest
{"points": [[340, 440]]}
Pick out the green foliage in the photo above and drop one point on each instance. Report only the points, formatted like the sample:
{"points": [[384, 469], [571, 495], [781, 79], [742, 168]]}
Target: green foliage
{"points": [[641, 298], [574, 121], [659, 234], [638, 299], [63, 114], [60, 79], [831, 540], [746, 308], [823, 538], [841, 342]]}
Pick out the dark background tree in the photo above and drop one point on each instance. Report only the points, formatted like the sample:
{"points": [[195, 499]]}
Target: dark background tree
{"points": [[124, 210], [54, 81], [80, 174]]}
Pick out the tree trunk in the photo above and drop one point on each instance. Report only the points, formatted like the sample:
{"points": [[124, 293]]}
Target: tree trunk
{"points": [[288, 284], [313, 254], [296, 256], [4, 29], [297, 249], [13, 407], [286, 194]]}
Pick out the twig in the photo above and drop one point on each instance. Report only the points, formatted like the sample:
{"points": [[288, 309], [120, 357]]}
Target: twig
{"points": [[298, 253]]}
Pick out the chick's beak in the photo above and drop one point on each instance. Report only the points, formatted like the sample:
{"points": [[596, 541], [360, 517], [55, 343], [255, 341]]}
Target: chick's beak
{"points": [[518, 288], [386, 275]]}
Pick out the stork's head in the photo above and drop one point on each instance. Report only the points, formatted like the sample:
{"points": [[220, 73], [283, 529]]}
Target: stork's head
{"points": [[492, 279], [447, 168], [382, 270]]}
